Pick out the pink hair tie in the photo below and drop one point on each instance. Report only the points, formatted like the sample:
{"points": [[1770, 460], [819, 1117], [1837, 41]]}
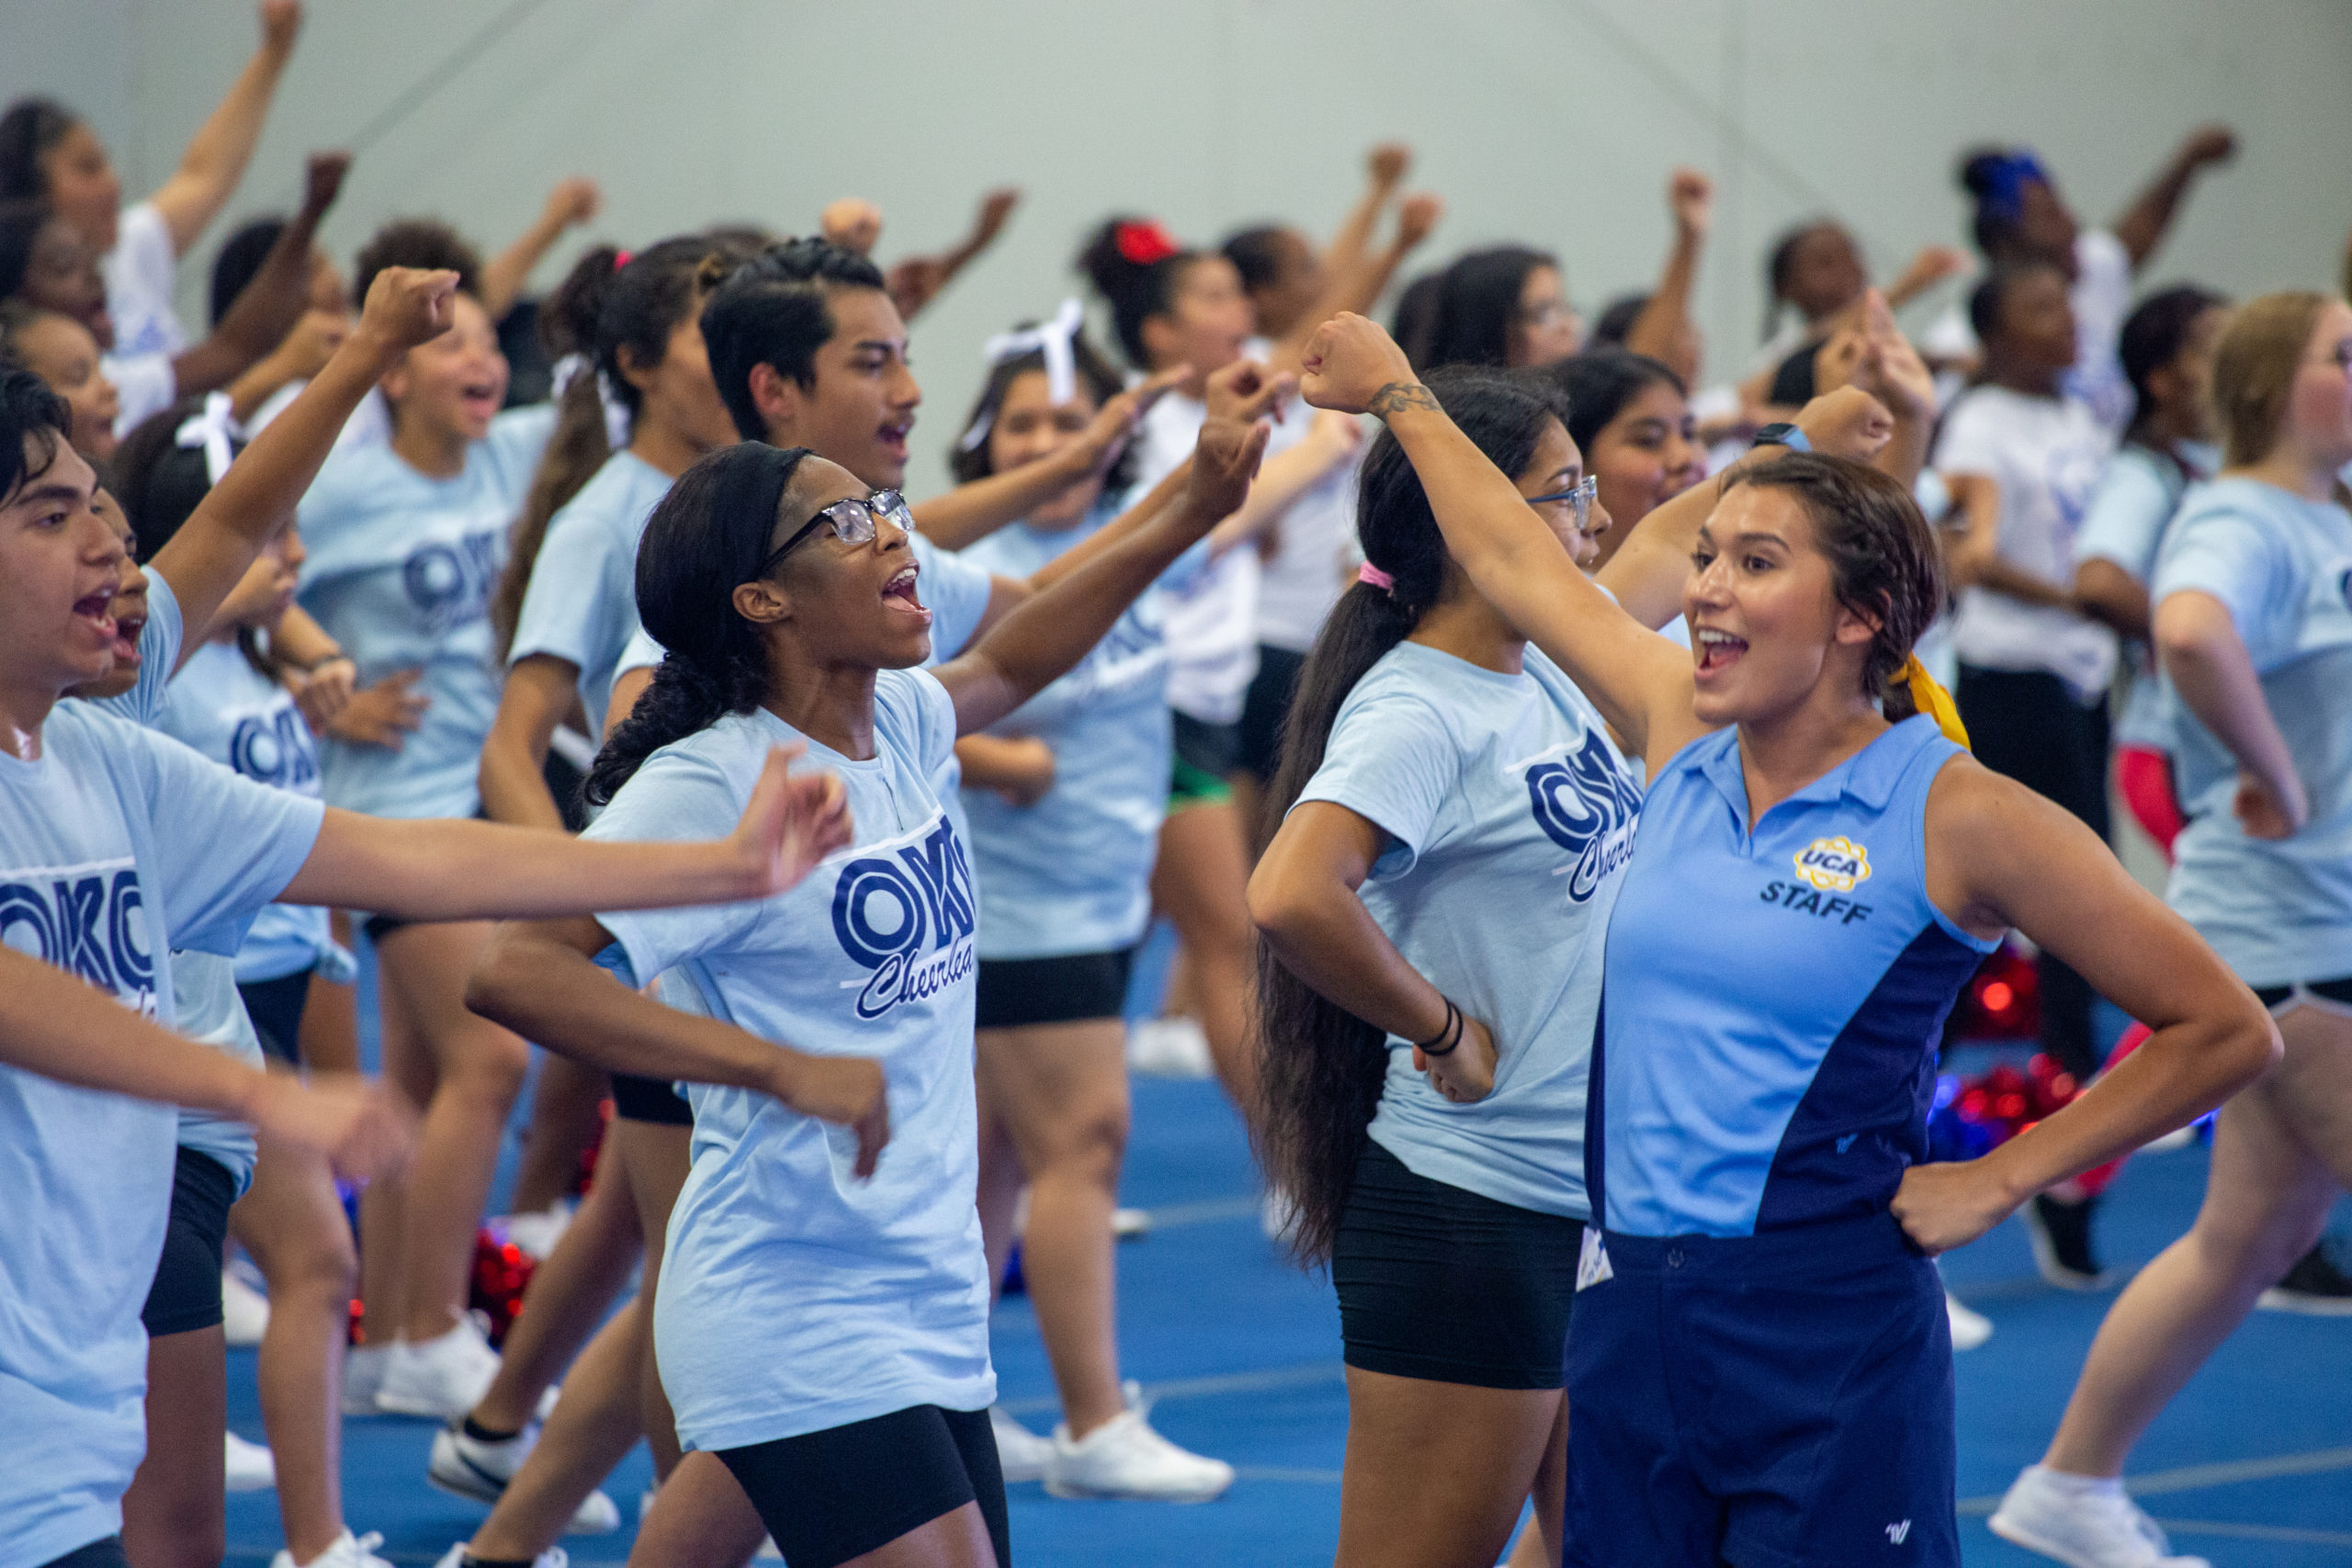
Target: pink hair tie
{"points": [[1370, 573]]}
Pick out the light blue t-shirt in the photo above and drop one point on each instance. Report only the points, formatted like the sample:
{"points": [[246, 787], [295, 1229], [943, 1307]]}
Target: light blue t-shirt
{"points": [[1510, 819], [793, 1296], [2280, 912], [581, 603], [117, 844], [401, 573], [207, 1008], [2125, 523], [1775, 995], [1072, 873]]}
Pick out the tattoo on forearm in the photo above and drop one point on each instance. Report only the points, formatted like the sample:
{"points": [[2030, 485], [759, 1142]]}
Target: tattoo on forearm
{"points": [[1398, 395]]}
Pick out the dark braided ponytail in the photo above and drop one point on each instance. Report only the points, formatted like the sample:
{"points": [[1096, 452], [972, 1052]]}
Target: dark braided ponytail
{"points": [[1323, 1067], [705, 538]]}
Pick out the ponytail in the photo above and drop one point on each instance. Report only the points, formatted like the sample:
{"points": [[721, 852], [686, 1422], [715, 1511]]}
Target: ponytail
{"points": [[577, 448], [708, 537], [1321, 1072]]}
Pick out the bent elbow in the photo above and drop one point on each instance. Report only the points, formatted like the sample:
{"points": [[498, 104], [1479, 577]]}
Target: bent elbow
{"points": [[2258, 1047], [491, 983]]}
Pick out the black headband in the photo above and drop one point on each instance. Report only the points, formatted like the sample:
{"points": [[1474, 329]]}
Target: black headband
{"points": [[752, 476]]}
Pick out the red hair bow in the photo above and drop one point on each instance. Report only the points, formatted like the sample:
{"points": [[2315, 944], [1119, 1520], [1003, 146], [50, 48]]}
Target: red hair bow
{"points": [[1144, 241], [622, 259]]}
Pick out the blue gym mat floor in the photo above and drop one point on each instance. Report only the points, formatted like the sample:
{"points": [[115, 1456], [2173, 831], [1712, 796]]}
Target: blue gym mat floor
{"points": [[1240, 1355]]}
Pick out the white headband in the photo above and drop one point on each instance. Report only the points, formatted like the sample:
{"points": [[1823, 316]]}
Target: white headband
{"points": [[1056, 339], [216, 431]]}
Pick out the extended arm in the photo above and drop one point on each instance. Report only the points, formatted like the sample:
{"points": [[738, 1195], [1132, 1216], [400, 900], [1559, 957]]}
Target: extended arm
{"points": [[1664, 330], [205, 560], [2000, 855], [434, 869], [1286, 476], [540, 978], [2215, 677], [2142, 226], [2105, 591], [917, 280], [217, 155], [969, 512], [1641, 682], [266, 310], [56, 1025], [1303, 897], [572, 202]]}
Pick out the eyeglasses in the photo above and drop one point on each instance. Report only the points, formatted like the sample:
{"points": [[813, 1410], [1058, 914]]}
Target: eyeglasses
{"points": [[853, 518], [2339, 357], [1578, 496]]}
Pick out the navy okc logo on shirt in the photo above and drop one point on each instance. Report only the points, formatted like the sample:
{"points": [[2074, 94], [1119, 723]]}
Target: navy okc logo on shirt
{"points": [[86, 919], [908, 918], [274, 748], [1585, 804], [450, 583]]}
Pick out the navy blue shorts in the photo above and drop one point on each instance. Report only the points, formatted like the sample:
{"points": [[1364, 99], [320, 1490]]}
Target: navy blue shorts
{"points": [[1763, 1400]]}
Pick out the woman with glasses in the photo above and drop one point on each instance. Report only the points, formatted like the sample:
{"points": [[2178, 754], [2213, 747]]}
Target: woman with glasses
{"points": [[822, 1324], [1506, 307], [1631, 417], [2253, 624]]}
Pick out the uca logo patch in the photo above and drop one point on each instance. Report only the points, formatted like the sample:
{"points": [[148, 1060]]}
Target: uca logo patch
{"points": [[1833, 865]]}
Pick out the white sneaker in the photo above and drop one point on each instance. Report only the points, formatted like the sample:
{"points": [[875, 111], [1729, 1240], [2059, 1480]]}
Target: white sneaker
{"points": [[768, 1550], [1021, 1453], [363, 1375], [1970, 1328], [442, 1377], [2082, 1522], [348, 1551], [251, 1467], [245, 1311], [1124, 1457], [1278, 1216], [473, 1467], [536, 1233], [1170, 1048], [553, 1557]]}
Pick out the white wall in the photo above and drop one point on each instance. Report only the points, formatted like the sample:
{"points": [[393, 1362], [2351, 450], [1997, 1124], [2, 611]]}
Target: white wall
{"points": [[1553, 121]]}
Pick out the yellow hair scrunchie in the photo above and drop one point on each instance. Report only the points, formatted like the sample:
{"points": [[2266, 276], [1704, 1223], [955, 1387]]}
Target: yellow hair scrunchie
{"points": [[1929, 697]]}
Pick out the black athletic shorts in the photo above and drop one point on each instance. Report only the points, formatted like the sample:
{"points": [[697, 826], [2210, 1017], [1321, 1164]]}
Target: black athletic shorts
{"points": [[276, 1008], [1017, 991], [185, 1295], [2337, 992], [649, 1099], [1265, 708], [830, 1495], [1211, 749], [106, 1553], [1442, 1284]]}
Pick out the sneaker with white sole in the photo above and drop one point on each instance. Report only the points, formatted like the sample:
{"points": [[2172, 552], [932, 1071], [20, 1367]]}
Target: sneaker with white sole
{"points": [[768, 1552], [348, 1551], [480, 1468], [363, 1375], [251, 1466], [1020, 1452], [1170, 1048], [537, 1232], [442, 1377], [2314, 1286], [1970, 1327], [245, 1311], [553, 1557], [1124, 1457], [2061, 1234], [2083, 1521]]}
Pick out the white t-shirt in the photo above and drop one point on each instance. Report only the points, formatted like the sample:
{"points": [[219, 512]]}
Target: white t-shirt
{"points": [[138, 274], [795, 1297], [2046, 455], [116, 845], [1314, 550]]}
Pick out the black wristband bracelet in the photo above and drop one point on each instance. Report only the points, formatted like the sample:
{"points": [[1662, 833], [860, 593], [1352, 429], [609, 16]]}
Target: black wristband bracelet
{"points": [[1441, 1044]]}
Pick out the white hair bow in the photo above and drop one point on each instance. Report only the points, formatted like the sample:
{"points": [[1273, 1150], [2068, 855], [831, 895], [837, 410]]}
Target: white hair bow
{"points": [[617, 424], [216, 430], [1056, 339]]}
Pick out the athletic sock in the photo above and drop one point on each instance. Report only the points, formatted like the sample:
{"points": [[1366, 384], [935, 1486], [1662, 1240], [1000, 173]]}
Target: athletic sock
{"points": [[470, 1560], [2073, 1485], [482, 1434]]}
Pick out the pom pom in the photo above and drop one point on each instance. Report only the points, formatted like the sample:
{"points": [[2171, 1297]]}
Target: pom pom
{"points": [[501, 1274]]}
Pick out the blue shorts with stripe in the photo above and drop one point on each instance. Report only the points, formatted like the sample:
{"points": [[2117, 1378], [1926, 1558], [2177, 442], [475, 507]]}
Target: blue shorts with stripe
{"points": [[1764, 1400]]}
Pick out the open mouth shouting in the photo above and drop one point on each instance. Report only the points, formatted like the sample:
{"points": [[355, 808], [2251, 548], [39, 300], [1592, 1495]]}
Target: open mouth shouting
{"points": [[899, 594], [1717, 650], [479, 399], [892, 436], [96, 611]]}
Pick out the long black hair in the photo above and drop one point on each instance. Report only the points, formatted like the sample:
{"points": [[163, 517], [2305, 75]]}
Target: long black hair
{"points": [[708, 537], [610, 301], [1137, 268], [29, 128], [1478, 305], [1323, 1066], [1598, 386]]}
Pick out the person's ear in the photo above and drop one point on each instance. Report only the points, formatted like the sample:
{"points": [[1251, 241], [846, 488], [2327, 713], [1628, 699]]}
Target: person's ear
{"points": [[761, 603], [780, 400], [641, 378], [394, 383], [1856, 628]]}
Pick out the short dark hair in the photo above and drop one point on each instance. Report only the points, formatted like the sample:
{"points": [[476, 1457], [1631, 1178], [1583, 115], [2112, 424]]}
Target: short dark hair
{"points": [[773, 311], [2153, 335], [239, 259], [424, 242], [32, 416], [1615, 325], [1985, 300]]}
